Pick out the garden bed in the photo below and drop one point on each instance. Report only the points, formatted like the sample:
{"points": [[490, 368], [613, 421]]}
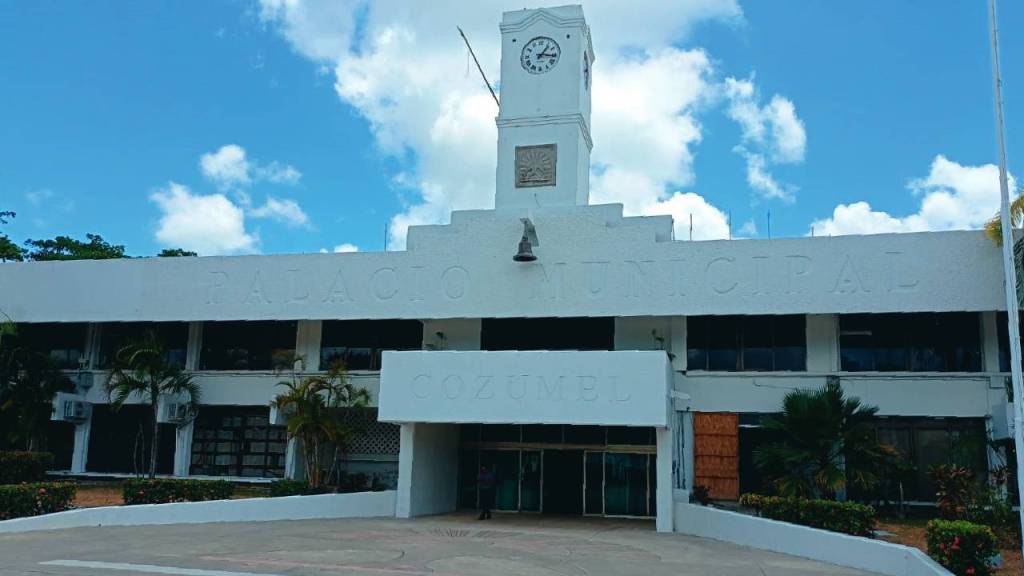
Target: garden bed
{"points": [[910, 532]]}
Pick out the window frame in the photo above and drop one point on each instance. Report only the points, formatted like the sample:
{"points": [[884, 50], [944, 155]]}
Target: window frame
{"points": [[737, 327]]}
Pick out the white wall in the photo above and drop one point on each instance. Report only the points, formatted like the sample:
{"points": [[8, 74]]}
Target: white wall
{"points": [[428, 467], [832, 547], [628, 388], [592, 262], [895, 394], [358, 505]]}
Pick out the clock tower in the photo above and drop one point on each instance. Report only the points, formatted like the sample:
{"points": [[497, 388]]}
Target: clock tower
{"points": [[544, 119]]}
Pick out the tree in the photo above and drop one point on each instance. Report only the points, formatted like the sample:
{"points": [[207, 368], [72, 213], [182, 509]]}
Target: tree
{"points": [[9, 250], [175, 252], [67, 248], [143, 369], [28, 382], [825, 443], [315, 405], [994, 226]]}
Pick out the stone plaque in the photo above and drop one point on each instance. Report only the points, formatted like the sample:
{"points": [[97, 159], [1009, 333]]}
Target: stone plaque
{"points": [[535, 165]]}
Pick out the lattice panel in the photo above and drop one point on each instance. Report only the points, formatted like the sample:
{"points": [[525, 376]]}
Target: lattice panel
{"points": [[376, 437]]}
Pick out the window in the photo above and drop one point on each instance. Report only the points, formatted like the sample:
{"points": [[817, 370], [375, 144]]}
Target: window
{"points": [[927, 442], [64, 343], [247, 345], [1004, 339], [237, 441], [359, 343], [746, 343], [547, 334], [929, 342], [116, 335]]}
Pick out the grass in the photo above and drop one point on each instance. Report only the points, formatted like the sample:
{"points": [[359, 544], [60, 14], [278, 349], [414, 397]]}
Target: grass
{"points": [[910, 532]]}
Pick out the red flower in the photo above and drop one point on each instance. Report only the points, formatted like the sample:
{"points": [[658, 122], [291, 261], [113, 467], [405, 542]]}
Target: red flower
{"points": [[970, 571]]}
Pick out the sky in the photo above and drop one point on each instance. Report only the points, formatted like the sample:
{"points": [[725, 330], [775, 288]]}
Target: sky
{"points": [[284, 126]]}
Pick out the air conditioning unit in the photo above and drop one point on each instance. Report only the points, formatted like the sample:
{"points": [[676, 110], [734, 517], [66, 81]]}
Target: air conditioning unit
{"points": [[74, 410], [177, 412]]}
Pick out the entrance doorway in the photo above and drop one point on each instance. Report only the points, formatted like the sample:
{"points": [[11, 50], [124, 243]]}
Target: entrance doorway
{"points": [[563, 481]]}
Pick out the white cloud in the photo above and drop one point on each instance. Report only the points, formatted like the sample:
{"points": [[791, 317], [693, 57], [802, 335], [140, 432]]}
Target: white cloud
{"points": [[227, 167], [404, 71], [49, 199], [230, 168], [772, 134], [953, 197], [346, 248], [207, 224], [285, 210]]}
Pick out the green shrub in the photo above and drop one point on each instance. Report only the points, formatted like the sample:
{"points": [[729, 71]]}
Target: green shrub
{"points": [[17, 467], [280, 488], [20, 500], [845, 517], [163, 490], [963, 548], [954, 490]]}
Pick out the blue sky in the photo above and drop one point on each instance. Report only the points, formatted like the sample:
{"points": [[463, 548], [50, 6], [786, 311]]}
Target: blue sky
{"points": [[338, 117]]}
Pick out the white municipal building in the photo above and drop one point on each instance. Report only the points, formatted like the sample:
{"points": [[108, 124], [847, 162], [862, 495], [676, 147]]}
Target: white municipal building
{"points": [[609, 375]]}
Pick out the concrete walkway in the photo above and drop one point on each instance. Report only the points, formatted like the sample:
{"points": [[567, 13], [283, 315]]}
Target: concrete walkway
{"points": [[519, 545]]}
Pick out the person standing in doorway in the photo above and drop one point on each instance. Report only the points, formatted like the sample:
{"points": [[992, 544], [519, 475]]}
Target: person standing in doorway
{"points": [[485, 484]]}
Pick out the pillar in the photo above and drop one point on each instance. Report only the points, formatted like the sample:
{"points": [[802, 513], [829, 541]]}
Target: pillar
{"points": [[663, 499], [80, 452], [428, 463], [183, 448]]}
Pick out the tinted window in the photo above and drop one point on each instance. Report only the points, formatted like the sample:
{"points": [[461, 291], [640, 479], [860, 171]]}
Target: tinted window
{"points": [[63, 342], [117, 335], [1004, 339], [754, 343], [930, 342], [359, 343], [547, 334], [247, 345]]}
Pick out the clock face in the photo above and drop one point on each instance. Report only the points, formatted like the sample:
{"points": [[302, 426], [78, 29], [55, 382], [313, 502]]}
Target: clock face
{"points": [[540, 55]]}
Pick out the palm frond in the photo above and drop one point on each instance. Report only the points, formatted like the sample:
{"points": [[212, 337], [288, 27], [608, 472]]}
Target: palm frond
{"points": [[994, 226]]}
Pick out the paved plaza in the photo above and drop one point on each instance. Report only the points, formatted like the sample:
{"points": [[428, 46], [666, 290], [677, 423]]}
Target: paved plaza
{"points": [[519, 545]]}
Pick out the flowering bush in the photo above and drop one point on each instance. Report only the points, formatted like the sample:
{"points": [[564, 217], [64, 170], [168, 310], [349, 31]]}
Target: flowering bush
{"points": [[963, 548], [954, 490], [20, 500], [17, 467], [163, 490]]}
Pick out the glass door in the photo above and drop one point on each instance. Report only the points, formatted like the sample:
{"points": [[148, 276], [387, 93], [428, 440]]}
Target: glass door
{"points": [[505, 466], [530, 481], [625, 484], [593, 483]]}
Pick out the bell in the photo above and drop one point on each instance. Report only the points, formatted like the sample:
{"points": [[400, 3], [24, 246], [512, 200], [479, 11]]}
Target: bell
{"points": [[525, 253]]}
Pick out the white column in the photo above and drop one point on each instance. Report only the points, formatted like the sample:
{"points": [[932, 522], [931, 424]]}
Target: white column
{"points": [[663, 499], [80, 453], [822, 343], [293, 469], [307, 343], [428, 463], [183, 448], [195, 345]]}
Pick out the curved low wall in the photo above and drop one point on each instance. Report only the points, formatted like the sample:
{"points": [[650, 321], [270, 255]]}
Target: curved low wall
{"points": [[832, 547], [357, 505]]}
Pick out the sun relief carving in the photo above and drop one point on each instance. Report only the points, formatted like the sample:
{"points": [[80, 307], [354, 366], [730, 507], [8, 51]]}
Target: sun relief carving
{"points": [[535, 165]]}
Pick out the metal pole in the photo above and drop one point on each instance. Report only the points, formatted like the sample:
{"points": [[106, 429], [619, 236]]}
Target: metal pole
{"points": [[478, 67], [1009, 271]]}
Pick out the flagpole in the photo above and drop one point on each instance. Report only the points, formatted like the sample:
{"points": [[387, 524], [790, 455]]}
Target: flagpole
{"points": [[1009, 271]]}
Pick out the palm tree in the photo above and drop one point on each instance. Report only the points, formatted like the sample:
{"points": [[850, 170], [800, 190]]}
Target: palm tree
{"points": [[28, 382], [142, 369], [994, 226], [825, 443], [315, 405]]}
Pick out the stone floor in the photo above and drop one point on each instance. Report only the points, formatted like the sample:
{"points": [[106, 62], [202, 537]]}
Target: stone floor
{"points": [[452, 545]]}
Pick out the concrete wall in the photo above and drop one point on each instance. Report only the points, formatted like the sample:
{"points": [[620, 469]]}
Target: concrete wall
{"points": [[427, 469], [359, 505], [832, 547], [591, 262], [627, 388]]}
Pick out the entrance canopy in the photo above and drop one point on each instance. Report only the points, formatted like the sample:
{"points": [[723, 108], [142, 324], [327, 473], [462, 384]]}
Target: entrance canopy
{"points": [[611, 388]]}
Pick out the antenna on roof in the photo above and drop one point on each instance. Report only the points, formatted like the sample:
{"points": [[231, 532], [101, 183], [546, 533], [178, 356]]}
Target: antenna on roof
{"points": [[730, 224], [691, 225], [385, 235], [769, 224], [478, 67]]}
